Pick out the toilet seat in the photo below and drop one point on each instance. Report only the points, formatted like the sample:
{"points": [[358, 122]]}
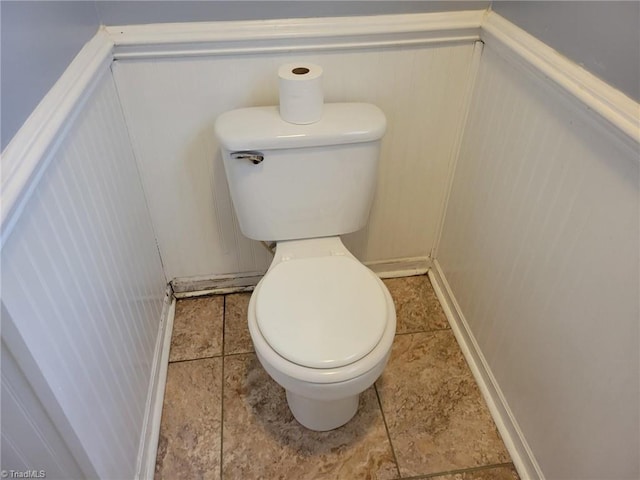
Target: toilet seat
{"points": [[321, 312]]}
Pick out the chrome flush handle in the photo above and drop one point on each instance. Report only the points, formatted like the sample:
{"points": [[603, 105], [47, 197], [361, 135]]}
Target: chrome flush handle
{"points": [[251, 155]]}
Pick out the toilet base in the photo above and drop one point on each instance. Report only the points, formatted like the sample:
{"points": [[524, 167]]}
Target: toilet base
{"points": [[321, 415]]}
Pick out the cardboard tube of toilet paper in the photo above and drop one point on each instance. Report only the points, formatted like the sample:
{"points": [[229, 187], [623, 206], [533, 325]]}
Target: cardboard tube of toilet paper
{"points": [[301, 95]]}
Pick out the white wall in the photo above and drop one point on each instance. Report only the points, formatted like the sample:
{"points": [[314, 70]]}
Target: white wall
{"points": [[83, 287], [541, 250], [171, 105]]}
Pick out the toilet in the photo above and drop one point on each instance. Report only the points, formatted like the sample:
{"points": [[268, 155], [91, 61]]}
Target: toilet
{"points": [[322, 324]]}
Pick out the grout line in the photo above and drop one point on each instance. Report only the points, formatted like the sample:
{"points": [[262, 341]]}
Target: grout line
{"points": [[425, 331], [195, 359], [384, 420], [238, 353], [224, 324], [224, 321], [460, 470]]}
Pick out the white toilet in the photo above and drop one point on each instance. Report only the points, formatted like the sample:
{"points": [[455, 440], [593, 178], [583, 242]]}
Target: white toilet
{"points": [[322, 324]]}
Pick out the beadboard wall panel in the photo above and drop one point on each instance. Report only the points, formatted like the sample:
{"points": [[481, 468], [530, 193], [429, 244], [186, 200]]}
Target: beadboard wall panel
{"points": [[82, 282], [27, 430], [540, 248], [171, 105]]}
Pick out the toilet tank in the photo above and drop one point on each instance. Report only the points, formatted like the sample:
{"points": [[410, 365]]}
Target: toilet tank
{"points": [[291, 181]]}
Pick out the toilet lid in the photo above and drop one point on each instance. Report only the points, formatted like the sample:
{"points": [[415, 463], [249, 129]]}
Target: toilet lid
{"points": [[323, 312]]}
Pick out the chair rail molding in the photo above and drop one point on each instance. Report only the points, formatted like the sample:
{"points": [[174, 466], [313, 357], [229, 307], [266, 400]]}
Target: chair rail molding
{"points": [[26, 156], [293, 35], [610, 103]]}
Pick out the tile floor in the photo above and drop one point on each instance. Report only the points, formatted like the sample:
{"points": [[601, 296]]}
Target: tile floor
{"points": [[224, 418]]}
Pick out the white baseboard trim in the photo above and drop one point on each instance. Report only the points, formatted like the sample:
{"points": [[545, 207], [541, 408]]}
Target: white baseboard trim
{"points": [[29, 152], [215, 284], [514, 440], [215, 291], [610, 103], [402, 267], [246, 282], [293, 34], [145, 466]]}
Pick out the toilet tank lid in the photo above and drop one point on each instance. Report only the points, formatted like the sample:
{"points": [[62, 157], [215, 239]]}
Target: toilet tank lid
{"points": [[262, 128]]}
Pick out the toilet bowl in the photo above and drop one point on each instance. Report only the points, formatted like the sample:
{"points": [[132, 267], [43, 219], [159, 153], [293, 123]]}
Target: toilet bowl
{"points": [[322, 325]]}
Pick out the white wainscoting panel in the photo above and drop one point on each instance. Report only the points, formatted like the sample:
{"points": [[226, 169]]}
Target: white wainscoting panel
{"points": [[540, 249], [27, 431], [83, 283], [171, 105]]}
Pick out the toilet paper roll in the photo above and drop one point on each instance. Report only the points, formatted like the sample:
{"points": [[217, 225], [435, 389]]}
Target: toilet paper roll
{"points": [[301, 95]]}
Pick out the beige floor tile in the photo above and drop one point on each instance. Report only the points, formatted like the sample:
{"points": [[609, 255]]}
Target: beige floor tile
{"points": [[189, 445], [236, 330], [502, 472], [261, 439], [197, 328], [437, 419], [417, 307]]}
